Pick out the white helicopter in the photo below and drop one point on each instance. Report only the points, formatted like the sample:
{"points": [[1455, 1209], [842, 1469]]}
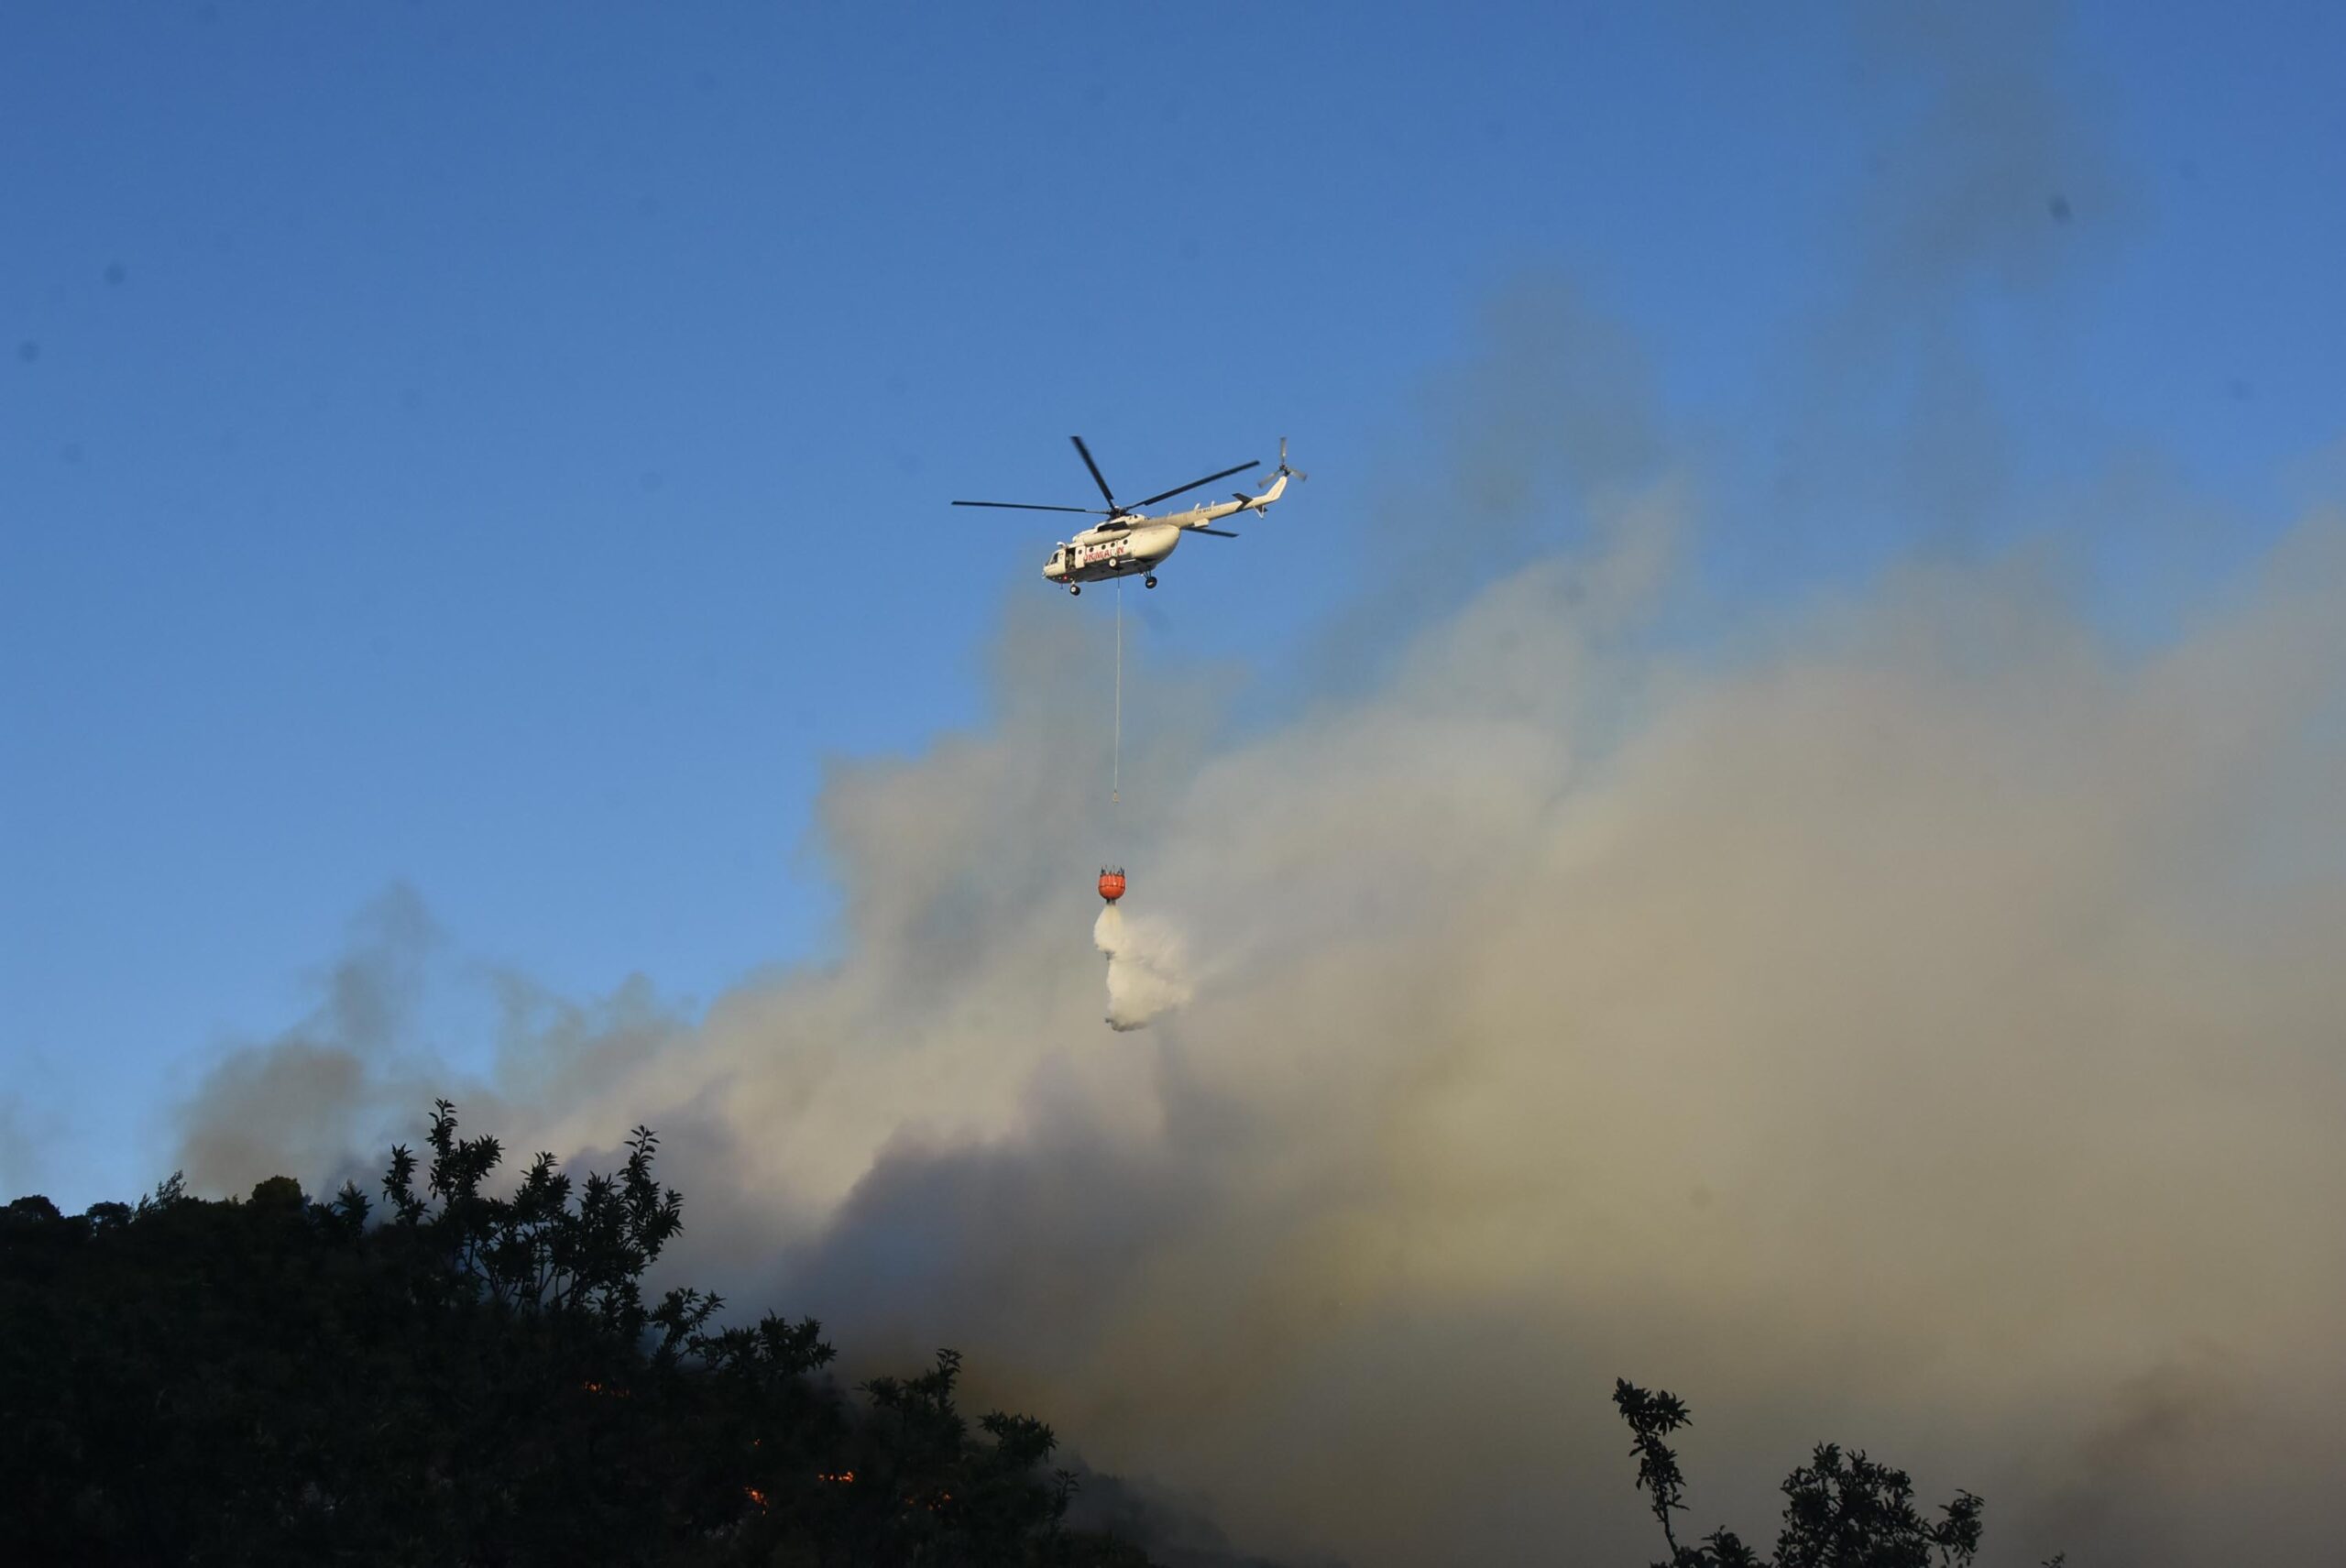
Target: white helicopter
{"points": [[1129, 543]]}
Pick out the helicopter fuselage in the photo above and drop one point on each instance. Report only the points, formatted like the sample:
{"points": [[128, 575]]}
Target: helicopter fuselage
{"points": [[1097, 554]]}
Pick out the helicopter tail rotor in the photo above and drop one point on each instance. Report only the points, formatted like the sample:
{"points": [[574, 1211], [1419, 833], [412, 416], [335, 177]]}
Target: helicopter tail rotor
{"points": [[1283, 468]]}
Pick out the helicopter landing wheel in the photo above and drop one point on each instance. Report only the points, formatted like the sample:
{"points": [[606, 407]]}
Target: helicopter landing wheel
{"points": [[1149, 582], [1075, 588]]}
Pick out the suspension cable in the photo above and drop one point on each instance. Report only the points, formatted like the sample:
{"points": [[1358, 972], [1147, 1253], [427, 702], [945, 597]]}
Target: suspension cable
{"points": [[1116, 752]]}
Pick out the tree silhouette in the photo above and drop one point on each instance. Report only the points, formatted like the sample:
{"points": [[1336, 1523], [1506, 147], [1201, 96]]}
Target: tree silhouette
{"points": [[1653, 1417], [1841, 1510], [465, 1378], [470, 1377]]}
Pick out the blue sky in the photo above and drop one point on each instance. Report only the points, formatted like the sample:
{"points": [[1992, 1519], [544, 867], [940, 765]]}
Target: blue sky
{"points": [[504, 451]]}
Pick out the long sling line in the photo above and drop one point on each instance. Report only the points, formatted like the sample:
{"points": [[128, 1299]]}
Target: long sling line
{"points": [[1116, 751]]}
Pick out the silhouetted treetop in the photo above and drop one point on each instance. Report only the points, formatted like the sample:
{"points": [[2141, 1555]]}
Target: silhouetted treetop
{"points": [[472, 1377], [1841, 1510]]}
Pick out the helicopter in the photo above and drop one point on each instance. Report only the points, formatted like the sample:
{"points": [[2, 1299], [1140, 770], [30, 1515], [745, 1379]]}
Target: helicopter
{"points": [[1132, 545]]}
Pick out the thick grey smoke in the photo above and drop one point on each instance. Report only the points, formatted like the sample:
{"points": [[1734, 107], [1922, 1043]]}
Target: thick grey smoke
{"points": [[1919, 1029], [1902, 1015], [325, 1097]]}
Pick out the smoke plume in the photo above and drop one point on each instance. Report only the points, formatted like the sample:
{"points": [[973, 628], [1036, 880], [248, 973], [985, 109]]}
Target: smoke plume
{"points": [[1917, 1029], [1903, 1012]]}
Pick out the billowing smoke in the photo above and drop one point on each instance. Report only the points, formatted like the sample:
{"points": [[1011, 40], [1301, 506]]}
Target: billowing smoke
{"points": [[1908, 1014], [1143, 968], [1919, 1028]]}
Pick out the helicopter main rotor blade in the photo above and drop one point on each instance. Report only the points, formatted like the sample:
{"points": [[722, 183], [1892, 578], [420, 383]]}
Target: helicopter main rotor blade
{"points": [[1023, 506], [1210, 478], [1085, 453], [1217, 533]]}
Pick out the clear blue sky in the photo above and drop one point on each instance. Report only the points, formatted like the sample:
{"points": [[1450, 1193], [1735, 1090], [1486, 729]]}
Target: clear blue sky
{"points": [[504, 449]]}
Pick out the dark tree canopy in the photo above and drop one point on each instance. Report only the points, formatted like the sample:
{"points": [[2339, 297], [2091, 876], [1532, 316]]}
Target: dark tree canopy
{"points": [[1841, 1510], [464, 1378]]}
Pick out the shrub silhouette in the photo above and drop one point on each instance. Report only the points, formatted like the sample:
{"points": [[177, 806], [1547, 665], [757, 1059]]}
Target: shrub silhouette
{"points": [[465, 1378], [1841, 1510]]}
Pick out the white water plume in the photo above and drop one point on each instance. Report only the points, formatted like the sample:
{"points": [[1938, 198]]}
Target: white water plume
{"points": [[1145, 968]]}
